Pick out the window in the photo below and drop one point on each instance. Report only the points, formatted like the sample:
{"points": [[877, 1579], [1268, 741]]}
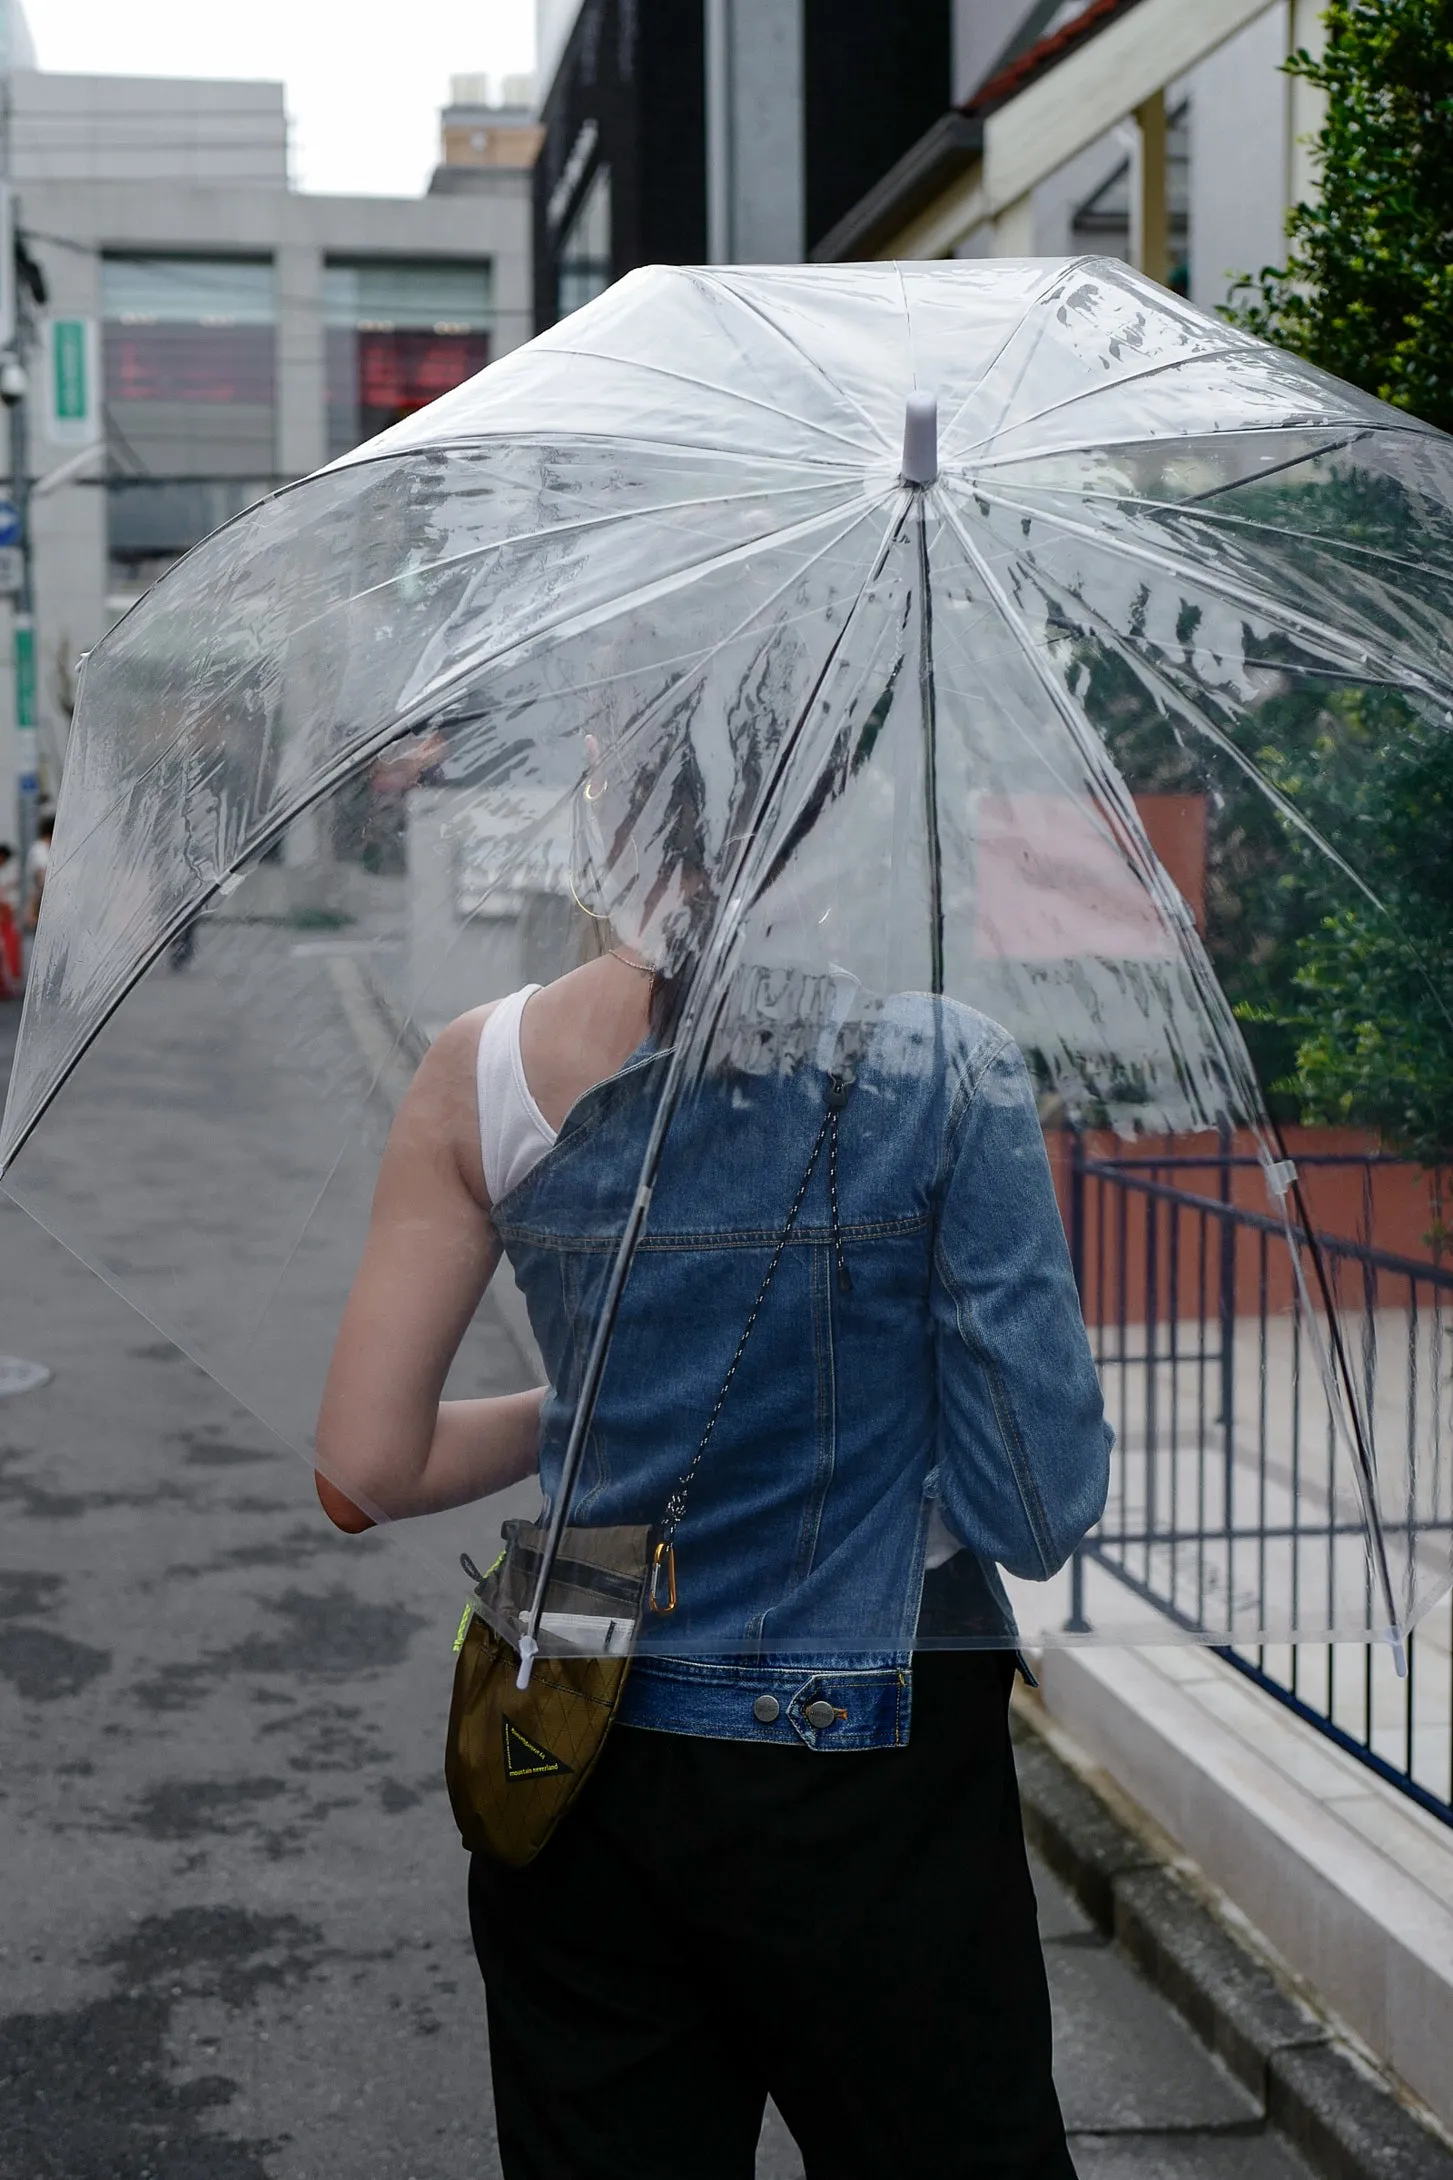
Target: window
{"points": [[189, 379], [188, 330], [582, 268], [398, 336]]}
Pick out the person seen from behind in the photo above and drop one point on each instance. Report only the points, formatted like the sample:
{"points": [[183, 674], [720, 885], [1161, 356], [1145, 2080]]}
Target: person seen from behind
{"points": [[795, 1871]]}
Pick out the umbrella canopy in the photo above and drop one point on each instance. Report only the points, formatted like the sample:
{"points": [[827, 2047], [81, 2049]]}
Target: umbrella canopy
{"points": [[827, 635]]}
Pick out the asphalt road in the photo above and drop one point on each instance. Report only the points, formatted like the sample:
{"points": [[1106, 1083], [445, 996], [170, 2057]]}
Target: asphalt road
{"points": [[232, 1932]]}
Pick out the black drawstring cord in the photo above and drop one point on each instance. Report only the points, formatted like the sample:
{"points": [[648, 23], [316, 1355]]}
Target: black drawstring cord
{"points": [[837, 1098]]}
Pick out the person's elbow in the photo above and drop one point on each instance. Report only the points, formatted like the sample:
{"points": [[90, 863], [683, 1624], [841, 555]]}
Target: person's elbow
{"points": [[339, 1508], [1080, 1501], [1060, 1500]]}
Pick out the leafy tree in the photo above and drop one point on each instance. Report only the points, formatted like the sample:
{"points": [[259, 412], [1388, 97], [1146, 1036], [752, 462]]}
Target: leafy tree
{"points": [[1367, 289], [1371, 1006], [1359, 999]]}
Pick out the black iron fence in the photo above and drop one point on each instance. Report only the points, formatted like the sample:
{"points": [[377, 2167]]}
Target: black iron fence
{"points": [[1233, 1506]]}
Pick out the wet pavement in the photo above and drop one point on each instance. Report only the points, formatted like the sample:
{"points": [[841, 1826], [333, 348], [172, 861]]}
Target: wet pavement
{"points": [[232, 1933]]}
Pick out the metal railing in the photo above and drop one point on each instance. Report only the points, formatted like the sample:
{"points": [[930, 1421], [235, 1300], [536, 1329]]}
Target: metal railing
{"points": [[1230, 1503]]}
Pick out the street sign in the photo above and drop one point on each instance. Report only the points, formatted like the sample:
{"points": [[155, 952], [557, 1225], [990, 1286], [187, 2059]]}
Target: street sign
{"points": [[11, 571], [70, 381], [9, 523]]}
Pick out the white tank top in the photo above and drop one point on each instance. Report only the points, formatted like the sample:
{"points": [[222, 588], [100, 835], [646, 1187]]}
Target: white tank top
{"points": [[514, 1134]]}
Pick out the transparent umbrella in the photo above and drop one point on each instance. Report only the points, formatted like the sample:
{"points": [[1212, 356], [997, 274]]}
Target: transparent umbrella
{"points": [[1004, 637]]}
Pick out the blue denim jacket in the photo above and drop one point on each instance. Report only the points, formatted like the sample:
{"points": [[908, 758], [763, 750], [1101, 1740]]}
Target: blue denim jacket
{"points": [[953, 1371]]}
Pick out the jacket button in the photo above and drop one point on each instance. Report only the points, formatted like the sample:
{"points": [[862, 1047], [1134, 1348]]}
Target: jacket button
{"points": [[819, 1715], [766, 1710]]}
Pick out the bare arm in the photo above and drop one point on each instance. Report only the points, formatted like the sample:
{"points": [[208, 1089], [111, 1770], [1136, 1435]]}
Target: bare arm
{"points": [[383, 1433]]}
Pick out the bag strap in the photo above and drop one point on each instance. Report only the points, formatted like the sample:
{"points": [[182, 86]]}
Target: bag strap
{"points": [[663, 1559]]}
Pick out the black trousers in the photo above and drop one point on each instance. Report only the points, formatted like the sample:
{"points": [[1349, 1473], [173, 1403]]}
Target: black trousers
{"points": [[716, 1921]]}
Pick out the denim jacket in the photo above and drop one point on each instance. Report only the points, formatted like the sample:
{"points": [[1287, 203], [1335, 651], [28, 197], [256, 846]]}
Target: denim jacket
{"points": [[951, 1372]]}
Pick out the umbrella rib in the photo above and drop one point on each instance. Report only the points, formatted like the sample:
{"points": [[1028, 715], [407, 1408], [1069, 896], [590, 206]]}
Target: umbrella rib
{"points": [[570, 625], [360, 755], [1197, 510], [1205, 983], [1033, 302], [708, 967], [1357, 654], [727, 393], [1093, 393], [347, 464], [481, 439], [928, 716], [1219, 739], [1142, 858], [752, 310]]}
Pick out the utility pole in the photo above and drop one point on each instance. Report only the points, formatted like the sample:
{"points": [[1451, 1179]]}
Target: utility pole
{"points": [[27, 734], [21, 287]]}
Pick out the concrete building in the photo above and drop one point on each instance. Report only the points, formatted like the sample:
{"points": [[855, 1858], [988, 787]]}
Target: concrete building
{"points": [[484, 132], [1162, 131], [723, 131], [210, 333]]}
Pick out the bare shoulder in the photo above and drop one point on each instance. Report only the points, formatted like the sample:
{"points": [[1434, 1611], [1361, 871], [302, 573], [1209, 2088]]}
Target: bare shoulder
{"points": [[439, 1116]]}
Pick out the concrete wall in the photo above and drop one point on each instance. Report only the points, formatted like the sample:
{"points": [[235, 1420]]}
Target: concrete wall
{"points": [[754, 103], [147, 129], [1238, 158]]}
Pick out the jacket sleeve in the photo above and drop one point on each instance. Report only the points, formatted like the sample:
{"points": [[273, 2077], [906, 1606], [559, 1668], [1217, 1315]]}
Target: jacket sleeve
{"points": [[1024, 1447]]}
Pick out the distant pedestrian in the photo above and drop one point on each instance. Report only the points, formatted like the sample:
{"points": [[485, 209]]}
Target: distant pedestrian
{"points": [[12, 965], [37, 864]]}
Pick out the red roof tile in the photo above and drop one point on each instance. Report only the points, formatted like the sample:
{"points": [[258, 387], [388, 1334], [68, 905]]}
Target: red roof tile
{"points": [[1043, 55]]}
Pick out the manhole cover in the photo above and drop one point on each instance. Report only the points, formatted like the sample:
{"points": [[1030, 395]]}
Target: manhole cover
{"points": [[19, 1376]]}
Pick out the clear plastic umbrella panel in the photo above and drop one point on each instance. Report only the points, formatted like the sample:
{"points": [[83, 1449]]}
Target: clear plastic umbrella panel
{"points": [[845, 642]]}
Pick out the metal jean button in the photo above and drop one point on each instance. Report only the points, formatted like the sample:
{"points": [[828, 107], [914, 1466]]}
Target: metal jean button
{"points": [[766, 1710], [819, 1714]]}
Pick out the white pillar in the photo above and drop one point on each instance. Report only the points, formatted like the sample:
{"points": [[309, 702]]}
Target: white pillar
{"points": [[1306, 106], [755, 213], [301, 372]]}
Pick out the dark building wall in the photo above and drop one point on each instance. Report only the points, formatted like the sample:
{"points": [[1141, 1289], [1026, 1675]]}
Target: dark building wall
{"points": [[635, 69], [875, 78], [672, 78]]}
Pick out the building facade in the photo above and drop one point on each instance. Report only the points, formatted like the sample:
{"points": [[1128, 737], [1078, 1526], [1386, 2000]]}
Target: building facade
{"points": [[1161, 131], [718, 131], [209, 333]]}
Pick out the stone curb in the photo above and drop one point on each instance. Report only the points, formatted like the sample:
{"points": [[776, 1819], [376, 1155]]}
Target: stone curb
{"points": [[1335, 2110]]}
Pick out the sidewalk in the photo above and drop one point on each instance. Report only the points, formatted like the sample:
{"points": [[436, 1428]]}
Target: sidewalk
{"points": [[1347, 1883]]}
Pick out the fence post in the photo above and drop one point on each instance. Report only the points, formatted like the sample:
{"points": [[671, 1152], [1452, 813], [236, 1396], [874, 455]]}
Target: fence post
{"points": [[1077, 1209], [1227, 1313], [1077, 1624]]}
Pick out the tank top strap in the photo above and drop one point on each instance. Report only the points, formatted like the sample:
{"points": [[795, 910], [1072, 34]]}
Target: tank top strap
{"points": [[514, 1134]]}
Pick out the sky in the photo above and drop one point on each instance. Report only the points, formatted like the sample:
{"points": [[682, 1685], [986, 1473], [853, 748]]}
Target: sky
{"points": [[365, 78]]}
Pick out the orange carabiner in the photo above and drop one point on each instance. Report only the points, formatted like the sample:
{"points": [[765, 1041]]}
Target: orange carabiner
{"points": [[663, 1556]]}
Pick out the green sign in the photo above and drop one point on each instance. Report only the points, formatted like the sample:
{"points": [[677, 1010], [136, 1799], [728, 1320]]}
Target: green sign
{"points": [[70, 366], [70, 418], [24, 673]]}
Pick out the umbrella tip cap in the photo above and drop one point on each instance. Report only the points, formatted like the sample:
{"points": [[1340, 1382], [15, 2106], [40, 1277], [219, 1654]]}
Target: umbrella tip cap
{"points": [[920, 439]]}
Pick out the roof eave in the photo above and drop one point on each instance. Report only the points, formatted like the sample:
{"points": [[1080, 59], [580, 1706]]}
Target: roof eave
{"points": [[944, 152]]}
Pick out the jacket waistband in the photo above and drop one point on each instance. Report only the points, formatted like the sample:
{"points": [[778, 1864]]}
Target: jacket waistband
{"points": [[782, 1700]]}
